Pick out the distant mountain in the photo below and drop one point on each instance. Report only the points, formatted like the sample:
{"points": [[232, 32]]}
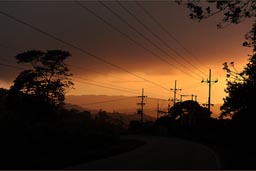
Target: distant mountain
{"points": [[122, 104], [73, 106], [124, 117]]}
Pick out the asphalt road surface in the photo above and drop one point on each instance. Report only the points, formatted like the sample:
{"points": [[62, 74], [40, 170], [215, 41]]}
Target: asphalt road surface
{"points": [[159, 153]]}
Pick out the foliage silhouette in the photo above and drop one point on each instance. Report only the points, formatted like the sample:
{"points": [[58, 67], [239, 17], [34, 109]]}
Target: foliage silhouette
{"points": [[239, 104], [233, 11], [3, 95], [48, 79], [189, 110], [34, 125]]}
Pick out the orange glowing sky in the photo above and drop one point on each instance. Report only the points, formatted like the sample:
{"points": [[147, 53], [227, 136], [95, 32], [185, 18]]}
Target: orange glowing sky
{"points": [[210, 46]]}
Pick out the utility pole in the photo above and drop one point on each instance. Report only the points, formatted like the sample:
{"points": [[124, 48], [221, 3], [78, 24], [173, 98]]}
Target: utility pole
{"points": [[175, 91], [209, 81], [141, 104]]}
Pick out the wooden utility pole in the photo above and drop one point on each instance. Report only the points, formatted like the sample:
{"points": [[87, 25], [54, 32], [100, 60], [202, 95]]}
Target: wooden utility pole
{"points": [[209, 81], [141, 104], [175, 91]]}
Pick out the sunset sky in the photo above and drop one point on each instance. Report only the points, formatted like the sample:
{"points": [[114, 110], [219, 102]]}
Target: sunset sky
{"points": [[130, 51]]}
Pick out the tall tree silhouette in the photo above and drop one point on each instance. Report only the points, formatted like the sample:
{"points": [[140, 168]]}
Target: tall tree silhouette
{"points": [[241, 88], [190, 110], [48, 79]]}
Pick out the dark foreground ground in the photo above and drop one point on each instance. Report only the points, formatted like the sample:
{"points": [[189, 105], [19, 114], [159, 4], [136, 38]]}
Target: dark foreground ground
{"points": [[159, 153], [233, 153], [60, 156]]}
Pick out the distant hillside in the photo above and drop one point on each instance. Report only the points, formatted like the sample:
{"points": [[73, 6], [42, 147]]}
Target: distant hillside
{"points": [[125, 118], [122, 104], [73, 106]]}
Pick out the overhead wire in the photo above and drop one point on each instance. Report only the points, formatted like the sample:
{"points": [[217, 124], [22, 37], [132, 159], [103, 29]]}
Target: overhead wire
{"points": [[84, 79], [47, 35], [108, 101], [115, 86], [150, 41], [78, 48], [161, 40], [103, 86], [168, 33], [74, 80], [11, 66], [12, 48], [122, 33]]}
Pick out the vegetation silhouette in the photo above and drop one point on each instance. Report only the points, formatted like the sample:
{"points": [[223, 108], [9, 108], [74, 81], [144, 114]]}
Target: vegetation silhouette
{"points": [[37, 132], [48, 79], [233, 12]]}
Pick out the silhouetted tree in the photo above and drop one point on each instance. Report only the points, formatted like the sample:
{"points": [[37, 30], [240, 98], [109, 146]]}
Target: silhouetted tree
{"points": [[241, 88], [233, 11], [48, 79], [3, 95], [190, 110]]}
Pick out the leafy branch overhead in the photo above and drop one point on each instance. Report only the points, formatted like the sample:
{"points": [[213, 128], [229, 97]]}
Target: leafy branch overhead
{"points": [[48, 77], [233, 11]]}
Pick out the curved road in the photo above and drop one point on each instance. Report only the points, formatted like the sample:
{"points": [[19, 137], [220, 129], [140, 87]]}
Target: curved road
{"points": [[159, 153]]}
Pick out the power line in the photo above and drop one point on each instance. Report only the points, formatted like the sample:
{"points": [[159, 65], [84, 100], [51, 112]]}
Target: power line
{"points": [[112, 88], [12, 48], [128, 37], [122, 33], [160, 39], [150, 41], [169, 34], [11, 66], [117, 87], [108, 101], [77, 48], [100, 73]]}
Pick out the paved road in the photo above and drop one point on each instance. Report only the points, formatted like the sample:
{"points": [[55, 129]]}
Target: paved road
{"points": [[159, 153]]}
